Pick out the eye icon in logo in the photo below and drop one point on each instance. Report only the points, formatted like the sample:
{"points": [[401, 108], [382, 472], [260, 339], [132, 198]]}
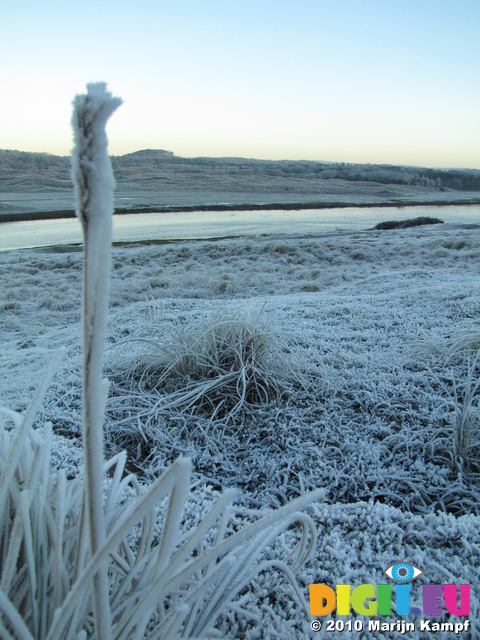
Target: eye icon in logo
{"points": [[403, 572]]}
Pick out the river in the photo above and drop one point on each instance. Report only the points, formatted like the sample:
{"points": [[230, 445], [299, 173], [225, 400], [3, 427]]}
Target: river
{"points": [[217, 224]]}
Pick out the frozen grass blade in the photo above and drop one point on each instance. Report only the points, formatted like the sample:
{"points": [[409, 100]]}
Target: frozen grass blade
{"points": [[16, 449], [16, 621], [93, 180]]}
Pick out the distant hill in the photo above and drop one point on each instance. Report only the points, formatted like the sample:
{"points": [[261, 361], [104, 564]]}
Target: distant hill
{"points": [[156, 168]]}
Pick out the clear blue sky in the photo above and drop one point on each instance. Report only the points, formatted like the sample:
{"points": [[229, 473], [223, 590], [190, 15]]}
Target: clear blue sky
{"points": [[394, 81]]}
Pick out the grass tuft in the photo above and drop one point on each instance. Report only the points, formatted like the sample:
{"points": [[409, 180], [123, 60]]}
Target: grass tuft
{"points": [[466, 420], [222, 366]]}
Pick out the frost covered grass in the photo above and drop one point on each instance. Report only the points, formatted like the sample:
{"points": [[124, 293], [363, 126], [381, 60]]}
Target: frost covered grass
{"points": [[375, 333], [219, 367], [467, 423], [159, 576], [387, 327], [466, 416]]}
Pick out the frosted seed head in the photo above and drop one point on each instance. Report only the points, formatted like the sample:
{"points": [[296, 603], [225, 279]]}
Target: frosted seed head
{"points": [[91, 167]]}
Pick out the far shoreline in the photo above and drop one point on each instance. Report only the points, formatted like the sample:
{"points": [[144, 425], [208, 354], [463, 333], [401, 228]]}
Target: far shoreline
{"points": [[281, 206]]}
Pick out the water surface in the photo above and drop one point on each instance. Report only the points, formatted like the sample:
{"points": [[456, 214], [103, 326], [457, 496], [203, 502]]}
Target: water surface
{"points": [[216, 224]]}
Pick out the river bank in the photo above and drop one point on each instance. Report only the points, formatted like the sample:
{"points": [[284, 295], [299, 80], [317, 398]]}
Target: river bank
{"points": [[30, 203]]}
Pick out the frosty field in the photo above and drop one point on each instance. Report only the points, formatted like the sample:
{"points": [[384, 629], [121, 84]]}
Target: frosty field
{"points": [[377, 332]]}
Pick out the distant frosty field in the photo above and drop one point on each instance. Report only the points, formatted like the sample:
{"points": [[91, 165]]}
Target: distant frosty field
{"points": [[381, 328]]}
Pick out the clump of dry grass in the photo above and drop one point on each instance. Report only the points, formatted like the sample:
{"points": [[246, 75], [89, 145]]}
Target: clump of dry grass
{"points": [[227, 364]]}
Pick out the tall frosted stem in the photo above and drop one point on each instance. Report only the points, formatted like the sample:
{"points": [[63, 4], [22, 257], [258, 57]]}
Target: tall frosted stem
{"points": [[94, 183]]}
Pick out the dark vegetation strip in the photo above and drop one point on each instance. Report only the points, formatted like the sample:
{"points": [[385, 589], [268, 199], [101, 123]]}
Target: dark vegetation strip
{"points": [[37, 215], [282, 206], [404, 224]]}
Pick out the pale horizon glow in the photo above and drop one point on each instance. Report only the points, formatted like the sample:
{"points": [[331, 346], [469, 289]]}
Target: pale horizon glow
{"points": [[365, 81]]}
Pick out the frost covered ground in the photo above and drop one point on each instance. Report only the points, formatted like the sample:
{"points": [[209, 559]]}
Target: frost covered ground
{"points": [[377, 330]]}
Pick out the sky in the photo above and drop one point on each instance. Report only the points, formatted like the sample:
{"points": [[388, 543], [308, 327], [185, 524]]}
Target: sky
{"points": [[368, 81]]}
